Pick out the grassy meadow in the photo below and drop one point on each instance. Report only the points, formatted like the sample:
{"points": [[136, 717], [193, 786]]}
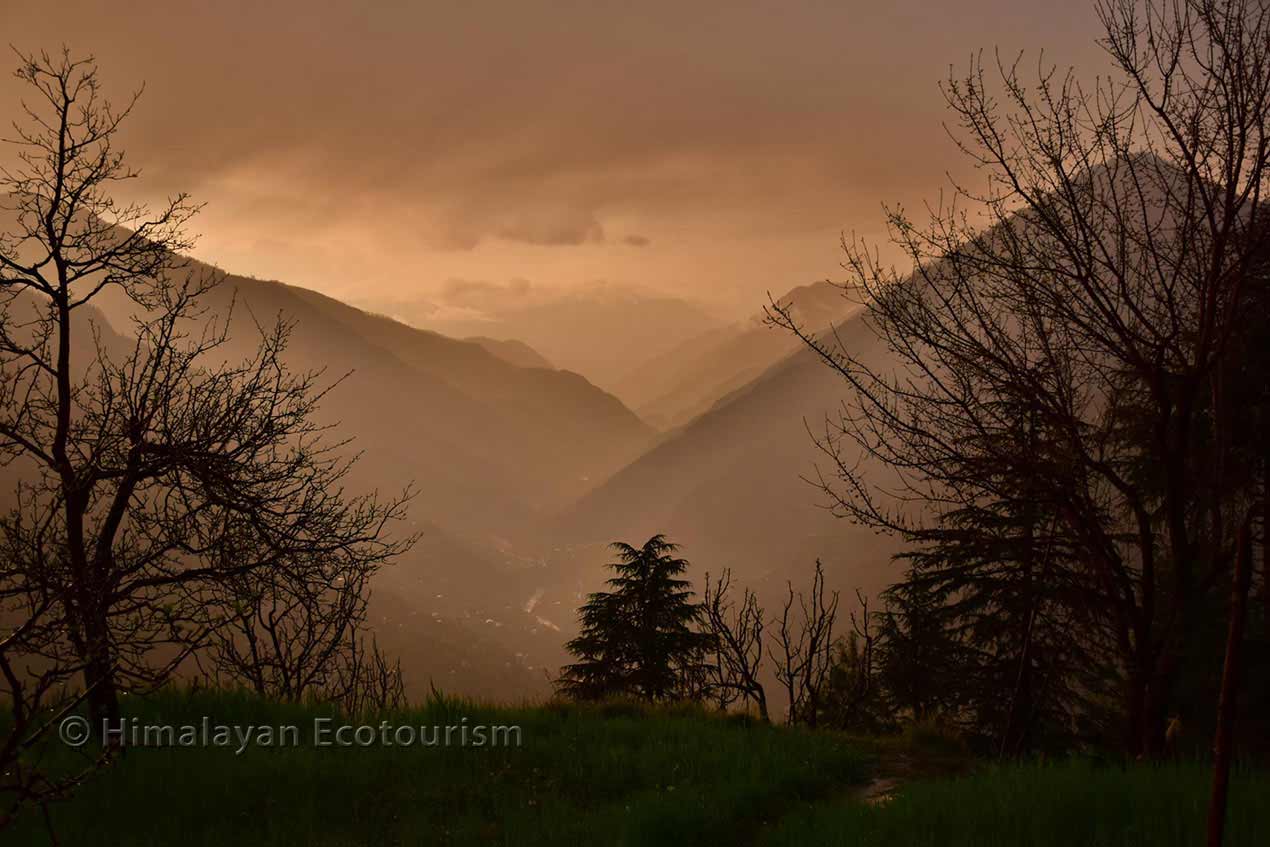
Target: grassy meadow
{"points": [[1062, 804], [615, 774]]}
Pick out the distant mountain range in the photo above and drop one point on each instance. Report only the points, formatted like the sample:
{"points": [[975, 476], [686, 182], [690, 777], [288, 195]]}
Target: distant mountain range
{"points": [[477, 432], [494, 445], [526, 472], [731, 485], [513, 352], [602, 333], [685, 381]]}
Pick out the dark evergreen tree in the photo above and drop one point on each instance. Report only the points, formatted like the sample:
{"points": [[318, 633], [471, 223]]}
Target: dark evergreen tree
{"points": [[919, 661], [996, 586], [1103, 286], [641, 638], [996, 594]]}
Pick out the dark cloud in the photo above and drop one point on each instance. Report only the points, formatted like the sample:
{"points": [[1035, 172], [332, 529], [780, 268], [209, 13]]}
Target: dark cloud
{"points": [[543, 226], [393, 143]]}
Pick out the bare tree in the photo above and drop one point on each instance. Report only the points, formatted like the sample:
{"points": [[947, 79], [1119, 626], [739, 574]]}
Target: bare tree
{"points": [[37, 692], [300, 633], [801, 647], [856, 665], [1123, 224], [143, 463], [293, 632], [736, 635], [366, 681]]}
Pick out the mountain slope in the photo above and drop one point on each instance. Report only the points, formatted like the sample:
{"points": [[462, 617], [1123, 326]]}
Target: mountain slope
{"points": [[478, 434], [675, 387], [601, 333], [490, 447], [729, 485], [513, 352]]}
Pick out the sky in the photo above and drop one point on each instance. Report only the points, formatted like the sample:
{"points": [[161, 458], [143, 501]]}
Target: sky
{"points": [[396, 151]]}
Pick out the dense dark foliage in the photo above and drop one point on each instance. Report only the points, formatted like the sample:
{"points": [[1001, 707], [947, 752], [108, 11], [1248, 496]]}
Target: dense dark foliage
{"points": [[1069, 428], [640, 639]]}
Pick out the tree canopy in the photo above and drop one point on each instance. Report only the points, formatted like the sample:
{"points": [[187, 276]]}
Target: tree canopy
{"points": [[639, 639]]}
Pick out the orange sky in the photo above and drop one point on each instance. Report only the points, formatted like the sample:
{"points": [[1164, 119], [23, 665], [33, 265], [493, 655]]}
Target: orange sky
{"points": [[379, 151]]}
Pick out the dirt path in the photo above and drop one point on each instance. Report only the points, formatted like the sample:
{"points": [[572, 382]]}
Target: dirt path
{"points": [[891, 772], [878, 792], [892, 769]]}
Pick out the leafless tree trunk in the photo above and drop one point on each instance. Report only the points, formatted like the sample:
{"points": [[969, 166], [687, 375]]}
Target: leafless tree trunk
{"points": [[737, 636], [802, 647], [862, 630], [142, 460], [1223, 746], [1099, 300], [367, 683]]}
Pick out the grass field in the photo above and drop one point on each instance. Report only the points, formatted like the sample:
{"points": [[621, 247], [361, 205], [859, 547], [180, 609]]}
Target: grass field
{"points": [[614, 774], [1064, 804]]}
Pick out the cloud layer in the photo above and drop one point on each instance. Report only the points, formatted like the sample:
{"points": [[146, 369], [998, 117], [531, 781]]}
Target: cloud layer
{"points": [[393, 146]]}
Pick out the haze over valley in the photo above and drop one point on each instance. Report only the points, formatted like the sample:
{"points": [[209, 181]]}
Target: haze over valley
{"points": [[529, 423], [532, 255], [525, 472]]}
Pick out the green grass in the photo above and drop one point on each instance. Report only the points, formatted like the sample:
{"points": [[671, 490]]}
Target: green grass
{"points": [[613, 774], [1064, 804]]}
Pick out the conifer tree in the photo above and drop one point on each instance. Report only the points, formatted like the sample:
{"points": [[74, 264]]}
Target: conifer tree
{"points": [[640, 639]]}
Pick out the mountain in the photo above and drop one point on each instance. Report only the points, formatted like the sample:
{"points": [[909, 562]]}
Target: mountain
{"points": [[477, 433], [513, 352], [602, 333], [729, 485], [491, 447], [463, 616], [680, 384], [499, 446]]}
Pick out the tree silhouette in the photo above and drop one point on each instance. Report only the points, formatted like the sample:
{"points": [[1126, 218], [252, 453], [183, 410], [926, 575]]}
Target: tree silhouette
{"points": [[737, 641], [855, 697], [1099, 293], [152, 470], [801, 646], [640, 639]]}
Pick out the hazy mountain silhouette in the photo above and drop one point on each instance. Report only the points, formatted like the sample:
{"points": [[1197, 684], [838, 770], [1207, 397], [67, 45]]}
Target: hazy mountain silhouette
{"points": [[479, 435], [486, 600], [513, 352], [496, 443], [684, 382], [602, 333], [491, 446], [728, 485]]}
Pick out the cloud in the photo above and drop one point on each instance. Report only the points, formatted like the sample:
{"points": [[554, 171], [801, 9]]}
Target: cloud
{"points": [[555, 231], [408, 143], [532, 222], [484, 295]]}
